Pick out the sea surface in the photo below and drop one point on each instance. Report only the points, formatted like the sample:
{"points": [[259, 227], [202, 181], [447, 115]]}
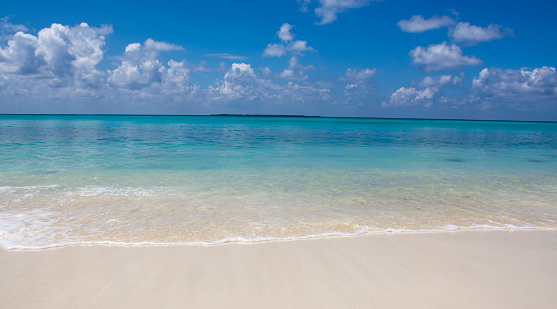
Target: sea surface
{"points": [[70, 179]]}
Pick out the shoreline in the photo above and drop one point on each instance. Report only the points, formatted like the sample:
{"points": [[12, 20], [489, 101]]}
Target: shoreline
{"points": [[501, 268], [246, 241]]}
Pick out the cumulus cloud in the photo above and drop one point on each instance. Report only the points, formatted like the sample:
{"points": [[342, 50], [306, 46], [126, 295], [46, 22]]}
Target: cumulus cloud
{"points": [[411, 96], [63, 62], [329, 9], [287, 44], [418, 23], [441, 81], [140, 67], [241, 82], [359, 80], [461, 32], [437, 57], [284, 33], [518, 86], [427, 97], [274, 50], [294, 49], [279, 50], [62, 54], [360, 75], [468, 34]]}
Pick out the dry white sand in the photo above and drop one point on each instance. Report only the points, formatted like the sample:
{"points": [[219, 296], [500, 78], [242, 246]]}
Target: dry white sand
{"points": [[464, 269]]}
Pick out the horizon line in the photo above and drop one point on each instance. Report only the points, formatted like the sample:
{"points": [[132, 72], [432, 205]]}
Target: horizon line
{"points": [[277, 116]]}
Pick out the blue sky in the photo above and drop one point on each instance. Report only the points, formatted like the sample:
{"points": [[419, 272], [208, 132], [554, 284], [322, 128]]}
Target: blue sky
{"points": [[391, 58]]}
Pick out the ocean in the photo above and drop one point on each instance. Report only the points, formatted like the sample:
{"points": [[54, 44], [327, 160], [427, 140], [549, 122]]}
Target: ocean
{"points": [[132, 180]]}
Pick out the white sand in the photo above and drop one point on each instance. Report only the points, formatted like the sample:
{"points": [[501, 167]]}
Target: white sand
{"points": [[464, 269]]}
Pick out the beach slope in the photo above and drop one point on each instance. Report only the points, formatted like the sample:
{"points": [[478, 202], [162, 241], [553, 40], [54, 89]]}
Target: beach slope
{"points": [[461, 269]]}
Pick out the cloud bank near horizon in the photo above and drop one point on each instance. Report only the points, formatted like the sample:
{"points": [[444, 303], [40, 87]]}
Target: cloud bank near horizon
{"points": [[64, 62]]}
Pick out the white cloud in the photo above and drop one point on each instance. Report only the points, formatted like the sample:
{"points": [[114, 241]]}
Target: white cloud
{"points": [[359, 81], [441, 57], [329, 9], [227, 56], [6, 27], [201, 67], [411, 96], [19, 56], [274, 50], [266, 72], [360, 75], [287, 73], [279, 50], [299, 46], [417, 23], [468, 34], [518, 86], [294, 49], [152, 45], [441, 81], [304, 5], [140, 67], [65, 56], [241, 83], [284, 33]]}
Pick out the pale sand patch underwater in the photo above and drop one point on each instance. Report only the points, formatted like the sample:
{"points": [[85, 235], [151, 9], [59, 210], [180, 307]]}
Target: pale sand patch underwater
{"points": [[464, 269]]}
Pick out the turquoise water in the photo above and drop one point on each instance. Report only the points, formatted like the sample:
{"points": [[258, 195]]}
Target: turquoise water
{"points": [[202, 179]]}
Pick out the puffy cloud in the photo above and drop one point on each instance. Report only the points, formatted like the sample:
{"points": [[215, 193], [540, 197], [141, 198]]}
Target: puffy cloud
{"points": [[441, 81], [470, 35], [62, 62], [299, 46], [284, 33], [360, 75], [279, 50], [410, 96], [441, 57], [62, 54], [293, 48], [359, 81], [19, 56], [140, 67], [287, 73], [329, 9], [241, 82], [274, 50], [517, 85], [417, 23], [430, 95]]}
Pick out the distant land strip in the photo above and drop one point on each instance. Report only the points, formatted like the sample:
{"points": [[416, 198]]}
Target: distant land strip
{"points": [[262, 115]]}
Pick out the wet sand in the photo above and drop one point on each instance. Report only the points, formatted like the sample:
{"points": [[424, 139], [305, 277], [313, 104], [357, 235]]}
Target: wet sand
{"points": [[460, 269]]}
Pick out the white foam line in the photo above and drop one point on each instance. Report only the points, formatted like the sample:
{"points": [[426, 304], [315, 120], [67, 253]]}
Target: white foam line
{"points": [[8, 246]]}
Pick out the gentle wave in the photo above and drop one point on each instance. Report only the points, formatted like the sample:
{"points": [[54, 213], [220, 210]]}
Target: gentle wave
{"points": [[9, 245]]}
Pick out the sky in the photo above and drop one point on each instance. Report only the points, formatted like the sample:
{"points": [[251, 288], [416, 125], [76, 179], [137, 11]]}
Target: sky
{"points": [[344, 58]]}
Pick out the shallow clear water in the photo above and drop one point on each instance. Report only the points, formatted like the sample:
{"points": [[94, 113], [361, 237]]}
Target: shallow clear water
{"points": [[201, 179]]}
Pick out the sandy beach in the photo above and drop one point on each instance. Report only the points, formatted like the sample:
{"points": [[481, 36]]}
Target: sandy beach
{"points": [[462, 269]]}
